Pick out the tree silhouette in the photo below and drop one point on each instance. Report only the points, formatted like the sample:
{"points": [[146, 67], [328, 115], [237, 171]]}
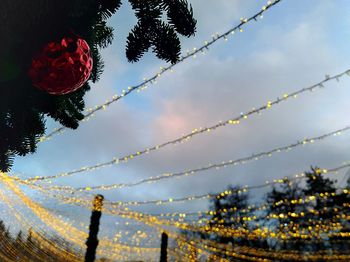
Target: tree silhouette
{"points": [[228, 210], [280, 209], [342, 206], [332, 206]]}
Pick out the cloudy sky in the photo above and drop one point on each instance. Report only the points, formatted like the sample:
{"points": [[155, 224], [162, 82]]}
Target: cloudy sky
{"points": [[294, 46]]}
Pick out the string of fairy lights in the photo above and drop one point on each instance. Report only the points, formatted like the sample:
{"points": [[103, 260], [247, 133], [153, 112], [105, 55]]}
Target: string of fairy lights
{"points": [[195, 171], [176, 222], [66, 230], [181, 215], [202, 214], [258, 232], [204, 130], [243, 189], [143, 85], [263, 207]]}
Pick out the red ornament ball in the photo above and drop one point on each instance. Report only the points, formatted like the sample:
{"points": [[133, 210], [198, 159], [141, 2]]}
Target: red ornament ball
{"points": [[62, 67]]}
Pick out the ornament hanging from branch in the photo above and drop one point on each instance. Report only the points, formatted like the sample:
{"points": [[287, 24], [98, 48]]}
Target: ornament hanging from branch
{"points": [[62, 67], [59, 62]]}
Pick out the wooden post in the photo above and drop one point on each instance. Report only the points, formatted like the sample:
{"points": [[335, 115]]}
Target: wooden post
{"points": [[92, 241], [163, 248]]}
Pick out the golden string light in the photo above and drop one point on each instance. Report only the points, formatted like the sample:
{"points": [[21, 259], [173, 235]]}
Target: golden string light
{"points": [[112, 249], [142, 86], [228, 192], [259, 254], [300, 175], [192, 172], [245, 218], [149, 219], [55, 250], [260, 233], [68, 231], [197, 131], [319, 231], [223, 231], [298, 201]]}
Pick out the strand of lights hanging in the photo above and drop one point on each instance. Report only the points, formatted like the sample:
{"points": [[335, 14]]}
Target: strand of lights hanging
{"points": [[250, 208], [46, 217], [225, 193], [113, 246], [192, 248], [195, 248], [66, 230], [187, 226], [197, 131], [223, 231], [260, 254], [245, 189], [7, 252], [263, 207], [143, 85], [57, 251], [300, 201], [221, 250], [62, 228], [106, 242], [182, 215], [21, 218], [264, 254], [200, 218], [192, 172], [310, 198], [297, 176]]}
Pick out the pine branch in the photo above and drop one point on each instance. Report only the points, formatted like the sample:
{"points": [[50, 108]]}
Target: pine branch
{"points": [[180, 15], [166, 43], [108, 7], [138, 42]]}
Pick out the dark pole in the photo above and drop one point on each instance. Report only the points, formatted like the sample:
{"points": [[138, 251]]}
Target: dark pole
{"points": [[92, 241], [163, 248]]}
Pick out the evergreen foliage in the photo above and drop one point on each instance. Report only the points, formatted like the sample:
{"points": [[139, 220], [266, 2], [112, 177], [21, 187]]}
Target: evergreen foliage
{"points": [[236, 207], [27, 26], [151, 31]]}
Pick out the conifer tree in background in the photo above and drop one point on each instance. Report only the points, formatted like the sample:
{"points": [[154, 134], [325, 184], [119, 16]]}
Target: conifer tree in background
{"points": [[342, 206], [320, 210], [229, 211], [27, 26], [281, 206]]}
